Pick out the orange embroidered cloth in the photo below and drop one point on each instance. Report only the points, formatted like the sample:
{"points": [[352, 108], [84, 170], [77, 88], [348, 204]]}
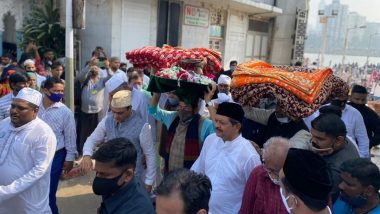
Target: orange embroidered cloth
{"points": [[305, 86]]}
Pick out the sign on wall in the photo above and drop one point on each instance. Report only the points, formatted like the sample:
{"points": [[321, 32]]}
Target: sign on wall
{"points": [[196, 16]]}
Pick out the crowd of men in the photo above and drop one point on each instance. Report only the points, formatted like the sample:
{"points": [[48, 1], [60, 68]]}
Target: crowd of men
{"points": [[153, 153]]}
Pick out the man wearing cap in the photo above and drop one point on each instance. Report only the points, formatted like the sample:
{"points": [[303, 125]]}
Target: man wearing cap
{"points": [[61, 121], [227, 159], [124, 122], [305, 183], [358, 100], [27, 147], [17, 81], [92, 93], [30, 66]]}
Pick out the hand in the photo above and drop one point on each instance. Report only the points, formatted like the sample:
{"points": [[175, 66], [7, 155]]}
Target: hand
{"points": [[257, 148], [86, 164], [148, 188], [106, 63], [67, 166], [94, 61], [210, 92]]}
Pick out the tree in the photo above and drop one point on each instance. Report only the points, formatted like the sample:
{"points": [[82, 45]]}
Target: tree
{"points": [[43, 26]]}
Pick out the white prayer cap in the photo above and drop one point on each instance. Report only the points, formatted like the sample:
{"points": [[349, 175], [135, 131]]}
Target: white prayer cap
{"points": [[224, 79], [115, 81], [30, 95], [121, 99], [29, 61]]}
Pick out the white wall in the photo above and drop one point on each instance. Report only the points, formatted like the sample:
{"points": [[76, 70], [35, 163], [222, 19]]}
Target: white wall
{"points": [[98, 29], [236, 34], [119, 26], [193, 36], [284, 29], [138, 26]]}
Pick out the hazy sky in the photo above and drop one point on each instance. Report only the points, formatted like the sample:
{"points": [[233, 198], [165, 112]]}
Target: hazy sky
{"points": [[368, 8]]}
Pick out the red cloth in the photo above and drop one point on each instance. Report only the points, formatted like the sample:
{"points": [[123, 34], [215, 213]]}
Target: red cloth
{"points": [[261, 195]]}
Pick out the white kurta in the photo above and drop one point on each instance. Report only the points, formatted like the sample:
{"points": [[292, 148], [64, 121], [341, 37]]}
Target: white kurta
{"points": [[228, 165], [25, 171]]}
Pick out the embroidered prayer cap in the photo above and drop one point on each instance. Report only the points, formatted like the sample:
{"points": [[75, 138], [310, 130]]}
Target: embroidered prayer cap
{"points": [[115, 81], [30, 95], [231, 110], [224, 79], [29, 61], [121, 99], [308, 173]]}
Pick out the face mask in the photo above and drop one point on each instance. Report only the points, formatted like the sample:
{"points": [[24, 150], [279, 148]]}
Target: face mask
{"points": [[222, 97], [358, 106], [233, 68], [322, 152], [137, 86], [185, 116], [55, 97], [106, 186], [283, 119], [173, 101], [356, 202], [339, 103], [285, 201]]}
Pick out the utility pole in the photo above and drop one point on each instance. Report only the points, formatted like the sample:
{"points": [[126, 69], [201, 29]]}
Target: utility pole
{"points": [[346, 41], [69, 54]]}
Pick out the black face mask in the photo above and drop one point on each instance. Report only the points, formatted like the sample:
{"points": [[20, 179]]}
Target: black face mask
{"points": [[357, 105], [339, 103], [106, 186]]}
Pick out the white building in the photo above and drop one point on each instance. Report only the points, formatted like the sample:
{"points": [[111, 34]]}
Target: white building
{"points": [[240, 29]]}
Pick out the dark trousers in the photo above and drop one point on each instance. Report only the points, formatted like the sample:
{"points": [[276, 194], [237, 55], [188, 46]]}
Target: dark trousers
{"points": [[56, 170], [86, 124]]}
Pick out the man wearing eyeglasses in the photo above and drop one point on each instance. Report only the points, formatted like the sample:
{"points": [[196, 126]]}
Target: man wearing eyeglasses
{"points": [[27, 147], [262, 190]]}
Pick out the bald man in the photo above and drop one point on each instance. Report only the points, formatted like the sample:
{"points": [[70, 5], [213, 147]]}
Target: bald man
{"points": [[262, 190]]}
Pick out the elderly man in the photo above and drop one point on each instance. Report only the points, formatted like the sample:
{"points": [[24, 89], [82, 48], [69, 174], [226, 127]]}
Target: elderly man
{"points": [[17, 81], [305, 183], [126, 123], [61, 121], [183, 191], [358, 100], [27, 147], [227, 159], [359, 188], [30, 66], [262, 191]]}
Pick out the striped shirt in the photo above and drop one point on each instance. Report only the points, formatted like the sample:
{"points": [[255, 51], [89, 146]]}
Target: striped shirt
{"points": [[61, 121], [5, 105]]}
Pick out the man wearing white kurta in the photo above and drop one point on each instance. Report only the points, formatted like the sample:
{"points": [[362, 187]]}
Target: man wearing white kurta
{"points": [[227, 159], [27, 147]]}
